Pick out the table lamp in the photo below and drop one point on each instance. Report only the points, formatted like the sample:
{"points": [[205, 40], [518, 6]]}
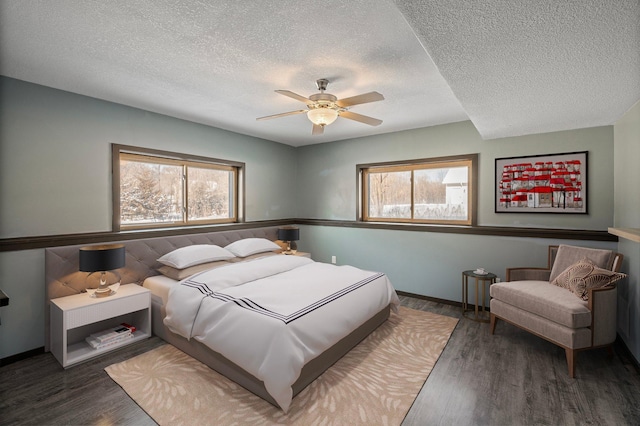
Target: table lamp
{"points": [[289, 234], [102, 258]]}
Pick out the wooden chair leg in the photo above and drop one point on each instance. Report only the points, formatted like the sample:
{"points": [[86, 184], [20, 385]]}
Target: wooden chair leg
{"points": [[492, 325], [571, 361]]}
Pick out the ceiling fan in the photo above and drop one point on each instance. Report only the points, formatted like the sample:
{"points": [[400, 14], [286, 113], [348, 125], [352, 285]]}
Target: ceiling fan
{"points": [[324, 108]]}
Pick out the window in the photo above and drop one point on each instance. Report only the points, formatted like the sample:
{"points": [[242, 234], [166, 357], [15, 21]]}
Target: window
{"points": [[436, 190], [160, 189]]}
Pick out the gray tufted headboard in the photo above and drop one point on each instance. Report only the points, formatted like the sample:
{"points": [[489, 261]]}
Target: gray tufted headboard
{"points": [[61, 263]]}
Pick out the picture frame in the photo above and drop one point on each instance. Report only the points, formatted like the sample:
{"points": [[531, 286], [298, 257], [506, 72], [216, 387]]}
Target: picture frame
{"points": [[551, 183]]}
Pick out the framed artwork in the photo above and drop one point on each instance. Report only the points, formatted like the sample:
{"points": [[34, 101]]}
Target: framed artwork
{"points": [[553, 183]]}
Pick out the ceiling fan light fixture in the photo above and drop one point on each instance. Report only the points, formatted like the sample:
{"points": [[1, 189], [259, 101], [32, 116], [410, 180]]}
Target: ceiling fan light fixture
{"points": [[322, 116], [324, 108]]}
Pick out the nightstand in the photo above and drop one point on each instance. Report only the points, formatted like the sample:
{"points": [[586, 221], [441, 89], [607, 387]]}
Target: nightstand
{"points": [[299, 253], [74, 317]]}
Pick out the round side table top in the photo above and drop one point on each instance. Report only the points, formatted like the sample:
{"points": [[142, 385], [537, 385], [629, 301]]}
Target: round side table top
{"points": [[486, 276]]}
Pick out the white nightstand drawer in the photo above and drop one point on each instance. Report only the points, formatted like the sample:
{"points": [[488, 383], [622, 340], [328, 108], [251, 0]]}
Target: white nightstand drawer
{"points": [[109, 309]]}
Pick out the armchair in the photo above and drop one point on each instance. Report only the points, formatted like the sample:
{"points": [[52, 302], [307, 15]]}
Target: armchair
{"points": [[571, 303]]}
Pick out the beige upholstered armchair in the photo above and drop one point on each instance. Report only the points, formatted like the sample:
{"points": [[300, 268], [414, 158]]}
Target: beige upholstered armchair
{"points": [[571, 303]]}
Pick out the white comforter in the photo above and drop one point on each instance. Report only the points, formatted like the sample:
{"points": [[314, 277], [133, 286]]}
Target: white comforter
{"points": [[272, 315]]}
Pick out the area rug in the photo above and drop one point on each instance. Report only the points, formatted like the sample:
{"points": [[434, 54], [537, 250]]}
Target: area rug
{"points": [[374, 384]]}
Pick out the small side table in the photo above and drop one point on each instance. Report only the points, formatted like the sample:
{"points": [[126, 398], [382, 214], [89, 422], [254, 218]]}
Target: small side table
{"points": [[480, 280]]}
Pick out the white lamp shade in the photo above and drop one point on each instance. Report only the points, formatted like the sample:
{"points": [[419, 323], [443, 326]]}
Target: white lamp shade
{"points": [[322, 116]]}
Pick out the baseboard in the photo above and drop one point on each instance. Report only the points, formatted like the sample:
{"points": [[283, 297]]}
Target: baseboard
{"points": [[19, 357], [429, 298], [625, 354]]}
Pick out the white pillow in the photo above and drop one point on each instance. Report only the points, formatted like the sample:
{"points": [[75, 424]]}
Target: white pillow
{"points": [[249, 246], [180, 274], [194, 255]]}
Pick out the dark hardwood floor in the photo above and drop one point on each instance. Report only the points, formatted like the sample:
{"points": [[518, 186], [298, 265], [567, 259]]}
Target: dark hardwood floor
{"points": [[511, 378]]}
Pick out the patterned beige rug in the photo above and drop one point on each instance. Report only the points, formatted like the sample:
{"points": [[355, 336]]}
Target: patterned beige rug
{"points": [[374, 384]]}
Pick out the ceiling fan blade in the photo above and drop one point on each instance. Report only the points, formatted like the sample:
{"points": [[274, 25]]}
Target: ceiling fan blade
{"points": [[361, 118], [295, 96], [317, 130], [360, 99], [284, 114]]}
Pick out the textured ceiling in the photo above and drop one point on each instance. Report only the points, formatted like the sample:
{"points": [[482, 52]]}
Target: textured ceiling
{"points": [[512, 67], [525, 67]]}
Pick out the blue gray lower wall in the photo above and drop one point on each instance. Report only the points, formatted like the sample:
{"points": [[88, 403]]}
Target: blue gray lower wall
{"points": [[627, 215], [428, 263], [22, 279], [629, 297]]}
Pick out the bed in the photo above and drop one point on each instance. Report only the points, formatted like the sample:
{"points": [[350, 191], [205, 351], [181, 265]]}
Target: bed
{"points": [[292, 359]]}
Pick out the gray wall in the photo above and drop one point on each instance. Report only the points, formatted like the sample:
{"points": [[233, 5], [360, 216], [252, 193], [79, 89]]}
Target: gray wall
{"points": [[55, 159], [627, 215], [55, 162], [429, 263], [327, 185]]}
